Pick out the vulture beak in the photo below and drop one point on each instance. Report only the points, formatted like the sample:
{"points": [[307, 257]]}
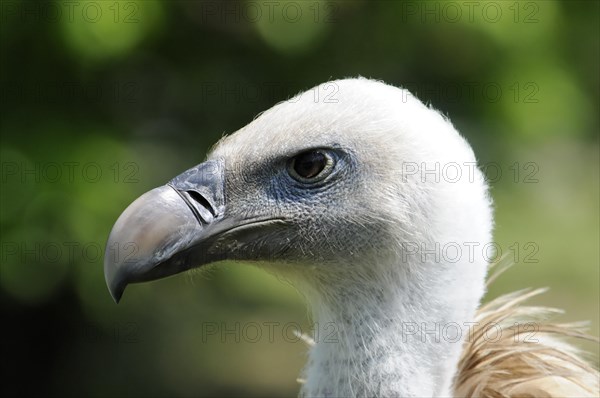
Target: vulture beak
{"points": [[169, 229]]}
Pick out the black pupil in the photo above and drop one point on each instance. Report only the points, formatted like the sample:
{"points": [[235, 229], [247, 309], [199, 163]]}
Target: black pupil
{"points": [[310, 164]]}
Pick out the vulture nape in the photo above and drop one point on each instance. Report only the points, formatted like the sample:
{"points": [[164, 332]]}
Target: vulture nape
{"points": [[370, 204]]}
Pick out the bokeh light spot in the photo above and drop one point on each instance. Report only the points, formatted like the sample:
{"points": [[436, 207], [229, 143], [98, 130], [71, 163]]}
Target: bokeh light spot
{"points": [[293, 27], [102, 30]]}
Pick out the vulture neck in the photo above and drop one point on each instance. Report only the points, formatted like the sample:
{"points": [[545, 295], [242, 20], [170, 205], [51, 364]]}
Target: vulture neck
{"points": [[387, 329]]}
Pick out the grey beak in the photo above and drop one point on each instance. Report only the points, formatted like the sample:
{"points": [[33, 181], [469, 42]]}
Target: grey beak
{"points": [[166, 230]]}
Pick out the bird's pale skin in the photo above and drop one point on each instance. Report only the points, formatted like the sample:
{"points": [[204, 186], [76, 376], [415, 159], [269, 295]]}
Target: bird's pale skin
{"points": [[344, 196]]}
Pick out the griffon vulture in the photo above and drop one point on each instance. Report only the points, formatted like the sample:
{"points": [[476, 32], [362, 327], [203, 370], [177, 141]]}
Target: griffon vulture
{"points": [[370, 204]]}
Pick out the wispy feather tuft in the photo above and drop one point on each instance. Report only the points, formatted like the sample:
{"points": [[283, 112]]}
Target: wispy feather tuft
{"points": [[526, 355]]}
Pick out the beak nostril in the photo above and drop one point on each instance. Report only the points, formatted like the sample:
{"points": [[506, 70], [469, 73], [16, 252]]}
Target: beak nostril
{"points": [[202, 201], [201, 209], [201, 188]]}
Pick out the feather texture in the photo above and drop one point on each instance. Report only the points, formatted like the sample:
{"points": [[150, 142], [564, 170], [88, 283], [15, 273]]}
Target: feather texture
{"points": [[526, 355]]}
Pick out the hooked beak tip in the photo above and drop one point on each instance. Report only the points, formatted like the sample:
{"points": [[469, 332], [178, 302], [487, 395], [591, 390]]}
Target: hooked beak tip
{"points": [[157, 234], [116, 291], [114, 281]]}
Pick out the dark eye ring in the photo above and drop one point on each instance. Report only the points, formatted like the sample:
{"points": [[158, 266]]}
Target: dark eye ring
{"points": [[311, 166]]}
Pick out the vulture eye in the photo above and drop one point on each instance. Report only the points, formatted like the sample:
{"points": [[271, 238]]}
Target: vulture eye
{"points": [[311, 166]]}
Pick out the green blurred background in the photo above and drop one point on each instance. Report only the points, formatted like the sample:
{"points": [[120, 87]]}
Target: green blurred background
{"points": [[104, 100]]}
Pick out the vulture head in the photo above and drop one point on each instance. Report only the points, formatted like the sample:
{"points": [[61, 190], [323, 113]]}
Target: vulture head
{"points": [[368, 201]]}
